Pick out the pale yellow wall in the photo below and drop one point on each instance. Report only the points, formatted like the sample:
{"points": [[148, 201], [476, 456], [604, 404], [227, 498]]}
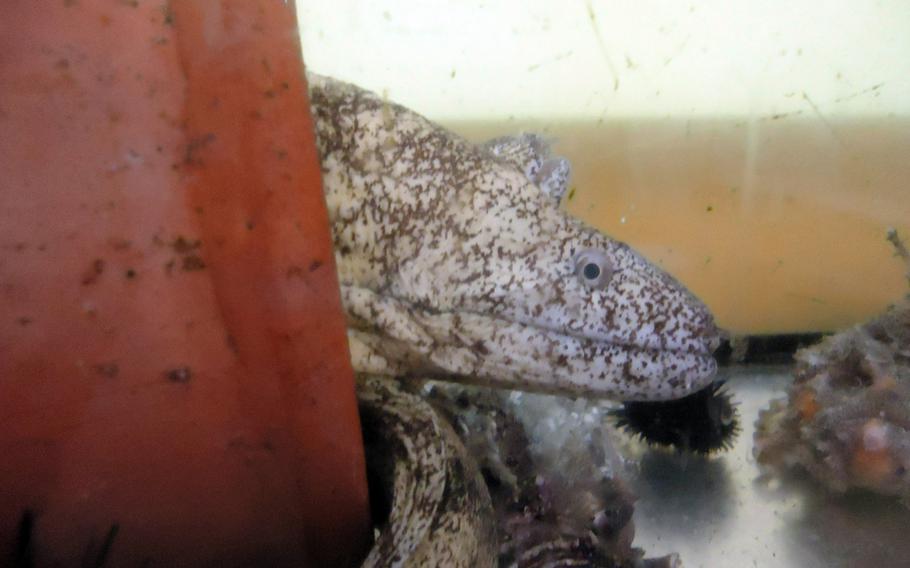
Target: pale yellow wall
{"points": [[789, 119], [779, 225]]}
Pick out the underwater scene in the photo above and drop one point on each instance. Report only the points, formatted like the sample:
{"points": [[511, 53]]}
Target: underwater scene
{"points": [[458, 284], [757, 155]]}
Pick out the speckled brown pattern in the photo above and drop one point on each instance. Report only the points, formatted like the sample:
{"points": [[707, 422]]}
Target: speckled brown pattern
{"points": [[454, 265], [440, 510]]}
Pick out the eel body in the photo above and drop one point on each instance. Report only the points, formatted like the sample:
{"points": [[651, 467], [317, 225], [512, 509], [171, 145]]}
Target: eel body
{"points": [[456, 263], [438, 510]]}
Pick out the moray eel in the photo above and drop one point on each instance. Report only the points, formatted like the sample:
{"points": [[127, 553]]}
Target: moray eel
{"points": [[456, 263]]}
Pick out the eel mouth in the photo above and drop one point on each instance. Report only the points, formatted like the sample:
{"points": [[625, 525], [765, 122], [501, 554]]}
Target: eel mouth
{"points": [[530, 356], [489, 349], [705, 341], [661, 371]]}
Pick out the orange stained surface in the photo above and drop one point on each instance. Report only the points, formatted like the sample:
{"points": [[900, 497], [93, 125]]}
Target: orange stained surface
{"points": [[778, 223], [175, 387], [806, 404], [870, 468]]}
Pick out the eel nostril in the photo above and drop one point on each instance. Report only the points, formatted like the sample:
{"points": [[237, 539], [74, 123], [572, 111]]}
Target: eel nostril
{"points": [[712, 335]]}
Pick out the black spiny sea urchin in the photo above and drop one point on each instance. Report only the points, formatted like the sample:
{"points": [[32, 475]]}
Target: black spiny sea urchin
{"points": [[706, 421]]}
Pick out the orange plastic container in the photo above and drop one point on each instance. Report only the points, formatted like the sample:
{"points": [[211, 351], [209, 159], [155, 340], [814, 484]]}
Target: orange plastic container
{"points": [[175, 387]]}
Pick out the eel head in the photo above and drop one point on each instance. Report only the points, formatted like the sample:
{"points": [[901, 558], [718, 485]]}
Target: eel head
{"points": [[456, 262], [523, 295]]}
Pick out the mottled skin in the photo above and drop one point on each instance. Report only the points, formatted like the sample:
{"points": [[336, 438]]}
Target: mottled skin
{"points": [[440, 513], [456, 262]]}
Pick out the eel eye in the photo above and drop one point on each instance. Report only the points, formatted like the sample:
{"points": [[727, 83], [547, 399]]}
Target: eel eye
{"points": [[593, 268]]}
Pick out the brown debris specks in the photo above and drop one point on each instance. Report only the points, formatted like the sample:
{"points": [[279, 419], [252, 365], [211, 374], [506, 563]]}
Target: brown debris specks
{"points": [[183, 245], [108, 370], [188, 249], [192, 262], [179, 374], [94, 271]]}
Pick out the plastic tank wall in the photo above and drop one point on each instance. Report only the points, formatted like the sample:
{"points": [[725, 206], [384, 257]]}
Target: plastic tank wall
{"points": [[757, 151]]}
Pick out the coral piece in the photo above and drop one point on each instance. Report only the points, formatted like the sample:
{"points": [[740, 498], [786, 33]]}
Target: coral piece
{"points": [[846, 418]]}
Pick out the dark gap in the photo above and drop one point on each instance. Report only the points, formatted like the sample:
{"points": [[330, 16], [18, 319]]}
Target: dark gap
{"points": [[23, 553], [775, 349]]}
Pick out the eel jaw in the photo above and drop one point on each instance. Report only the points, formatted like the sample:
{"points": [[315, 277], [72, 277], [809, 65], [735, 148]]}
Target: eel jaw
{"points": [[392, 337], [548, 360], [481, 349]]}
